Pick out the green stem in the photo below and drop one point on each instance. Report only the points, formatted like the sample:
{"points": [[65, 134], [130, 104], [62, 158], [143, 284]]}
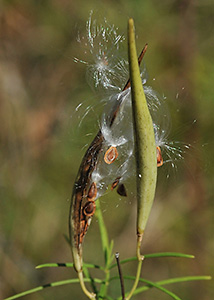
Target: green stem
{"points": [[90, 295], [136, 280], [103, 231], [106, 249]]}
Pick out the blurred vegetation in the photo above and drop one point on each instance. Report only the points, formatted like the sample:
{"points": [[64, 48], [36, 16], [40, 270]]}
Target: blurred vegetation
{"points": [[42, 145]]}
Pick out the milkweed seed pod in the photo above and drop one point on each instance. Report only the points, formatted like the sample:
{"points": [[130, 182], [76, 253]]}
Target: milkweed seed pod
{"points": [[111, 156], [145, 147]]}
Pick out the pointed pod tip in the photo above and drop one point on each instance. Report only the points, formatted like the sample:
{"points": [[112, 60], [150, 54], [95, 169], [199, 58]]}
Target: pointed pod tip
{"points": [[131, 22]]}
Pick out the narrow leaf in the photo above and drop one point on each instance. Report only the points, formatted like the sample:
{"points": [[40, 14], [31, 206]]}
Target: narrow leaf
{"points": [[159, 287], [169, 281], [67, 265], [53, 284], [160, 283], [154, 255]]}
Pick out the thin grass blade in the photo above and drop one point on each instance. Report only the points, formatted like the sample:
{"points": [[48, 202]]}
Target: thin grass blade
{"points": [[67, 265], [53, 284]]}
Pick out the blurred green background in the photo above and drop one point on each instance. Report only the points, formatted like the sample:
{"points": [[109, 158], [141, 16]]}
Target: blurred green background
{"points": [[41, 145]]}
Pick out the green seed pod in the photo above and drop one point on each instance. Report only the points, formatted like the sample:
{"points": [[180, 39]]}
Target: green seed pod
{"points": [[145, 147]]}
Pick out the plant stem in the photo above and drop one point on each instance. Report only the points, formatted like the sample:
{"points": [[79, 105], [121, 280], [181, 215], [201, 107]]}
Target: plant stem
{"points": [[136, 280], [120, 275], [103, 231], [106, 249], [82, 283]]}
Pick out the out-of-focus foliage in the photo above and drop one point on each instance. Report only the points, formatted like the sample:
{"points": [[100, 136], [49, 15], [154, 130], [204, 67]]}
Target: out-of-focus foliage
{"points": [[41, 143]]}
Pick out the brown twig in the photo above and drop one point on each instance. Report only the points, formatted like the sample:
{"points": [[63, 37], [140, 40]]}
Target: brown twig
{"points": [[120, 275]]}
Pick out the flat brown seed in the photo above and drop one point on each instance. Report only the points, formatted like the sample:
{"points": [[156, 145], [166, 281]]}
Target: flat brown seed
{"points": [[121, 190], [115, 183], [89, 208], [110, 155], [159, 157], [86, 167], [92, 193]]}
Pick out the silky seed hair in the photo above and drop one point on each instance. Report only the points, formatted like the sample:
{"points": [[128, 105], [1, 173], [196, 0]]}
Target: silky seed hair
{"points": [[106, 69], [101, 54]]}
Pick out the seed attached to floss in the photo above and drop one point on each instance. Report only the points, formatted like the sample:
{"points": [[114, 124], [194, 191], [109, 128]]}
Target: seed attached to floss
{"points": [[110, 155], [115, 183], [121, 190], [159, 157], [89, 208], [92, 193]]}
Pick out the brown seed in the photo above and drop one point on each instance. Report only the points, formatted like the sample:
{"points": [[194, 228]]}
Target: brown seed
{"points": [[159, 157], [86, 167], [89, 208], [115, 183], [110, 155], [83, 230], [121, 190], [92, 193], [78, 196]]}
